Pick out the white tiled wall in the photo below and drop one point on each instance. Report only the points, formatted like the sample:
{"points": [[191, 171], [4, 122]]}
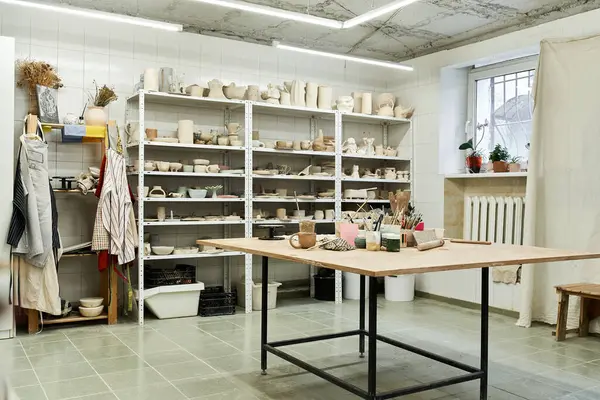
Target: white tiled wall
{"points": [[85, 50], [434, 89]]}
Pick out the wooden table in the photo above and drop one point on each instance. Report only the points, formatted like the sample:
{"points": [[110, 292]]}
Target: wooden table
{"points": [[375, 264]]}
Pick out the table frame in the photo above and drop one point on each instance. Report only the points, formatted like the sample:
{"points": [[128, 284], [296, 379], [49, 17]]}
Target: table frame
{"points": [[473, 373]]}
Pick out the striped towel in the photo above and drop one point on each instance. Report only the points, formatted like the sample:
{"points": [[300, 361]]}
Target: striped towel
{"points": [[117, 209]]}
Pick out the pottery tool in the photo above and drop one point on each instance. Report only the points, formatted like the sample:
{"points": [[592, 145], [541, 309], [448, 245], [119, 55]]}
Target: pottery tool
{"points": [[470, 241], [430, 245], [296, 198]]}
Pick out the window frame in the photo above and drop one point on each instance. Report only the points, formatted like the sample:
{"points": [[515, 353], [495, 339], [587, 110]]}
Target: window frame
{"points": [[491, 71]]}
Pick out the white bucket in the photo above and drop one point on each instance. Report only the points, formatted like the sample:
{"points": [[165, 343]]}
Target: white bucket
{"points": [[351, 286], [400, 288]]}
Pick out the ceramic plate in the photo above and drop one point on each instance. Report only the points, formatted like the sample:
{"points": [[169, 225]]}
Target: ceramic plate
{"points": [[307, 197], [232, 171], [165, 140]]}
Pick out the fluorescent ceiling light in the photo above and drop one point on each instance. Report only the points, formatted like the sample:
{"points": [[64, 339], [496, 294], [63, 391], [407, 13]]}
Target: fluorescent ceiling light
{"points": [[369, 61], [310, 19], [82, 12]]}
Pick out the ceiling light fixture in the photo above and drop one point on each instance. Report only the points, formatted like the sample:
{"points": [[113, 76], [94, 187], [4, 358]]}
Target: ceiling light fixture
{"points": [[310, 19], [369, 61], [81, 12]]}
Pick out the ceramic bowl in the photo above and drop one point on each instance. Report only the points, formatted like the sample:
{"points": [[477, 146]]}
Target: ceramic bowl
{"points": [[149, 167], [175, 166], [236, 143], [162, 250], [91, 311], [188, 168], [197, 193], [186, 250], [201, 161], [163, 166], [91, 302]]}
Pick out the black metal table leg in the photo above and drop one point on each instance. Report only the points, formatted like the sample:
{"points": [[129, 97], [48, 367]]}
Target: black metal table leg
{"points": [[263, 314], [485, 293], [372, 376], [361, 321]]}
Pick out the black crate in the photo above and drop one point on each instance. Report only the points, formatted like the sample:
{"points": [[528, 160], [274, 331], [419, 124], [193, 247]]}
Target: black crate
{"points": [[180, 275], [216, 301]]}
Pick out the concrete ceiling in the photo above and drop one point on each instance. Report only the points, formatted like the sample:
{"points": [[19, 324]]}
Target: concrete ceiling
{"points": [[421, 28]]}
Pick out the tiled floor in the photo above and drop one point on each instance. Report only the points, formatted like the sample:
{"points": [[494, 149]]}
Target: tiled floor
{"points": [[218, 358]]}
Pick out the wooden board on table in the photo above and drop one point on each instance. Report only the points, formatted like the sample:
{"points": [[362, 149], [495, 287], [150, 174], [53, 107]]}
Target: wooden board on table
{"points": [[452, 256]]}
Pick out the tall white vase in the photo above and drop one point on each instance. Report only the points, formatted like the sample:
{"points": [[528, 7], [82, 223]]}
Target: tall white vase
{"points": [[324, 99], [297, 94], [151, 79], [367, 103], [312, 91], [185, 131], [357, 101]]}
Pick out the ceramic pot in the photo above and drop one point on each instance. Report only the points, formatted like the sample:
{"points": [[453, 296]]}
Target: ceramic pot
{"points": [[319, 214], [305, 144], [234, 92], [215, 88], [297, 94], [151, 79], [163, 166], [213, 168], [151, 133], [379, 150], [195, 91], [252, 92], [330, 214], [324, 99], [233, 128], [296, 145], [345, 104], [303, 240], [357, 96], [166, 79], [312, 91], [200, 169], [157, 191], [474, 164], [223, 141], [185, 131], [386, 111], [161, 213], [367, 104], [95, 116], [514, 167], [285, 99], [281, 213], [385, 99], [500, 166]]}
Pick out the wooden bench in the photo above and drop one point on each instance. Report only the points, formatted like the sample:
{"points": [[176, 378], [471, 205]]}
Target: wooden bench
{"points": [[589, 309]]}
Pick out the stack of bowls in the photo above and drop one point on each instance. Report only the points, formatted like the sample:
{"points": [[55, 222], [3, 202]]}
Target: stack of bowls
{"points": [[91, 306]]}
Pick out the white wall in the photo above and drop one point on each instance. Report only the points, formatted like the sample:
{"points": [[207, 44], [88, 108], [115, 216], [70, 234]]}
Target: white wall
{"points": [[85, 50], [437, 117]]}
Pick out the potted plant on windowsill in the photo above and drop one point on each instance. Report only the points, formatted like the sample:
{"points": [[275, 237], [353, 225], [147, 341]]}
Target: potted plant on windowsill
{"points": [[499, 157], [474, 156], [515, 164]]}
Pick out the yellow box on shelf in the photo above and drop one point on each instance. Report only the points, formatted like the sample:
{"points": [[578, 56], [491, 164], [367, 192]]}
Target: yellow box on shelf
{"points": [[77, 133]]}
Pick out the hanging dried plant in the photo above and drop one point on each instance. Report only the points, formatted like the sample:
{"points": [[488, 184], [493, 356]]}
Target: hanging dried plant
{"points": [[32, 73], [103, 96]]}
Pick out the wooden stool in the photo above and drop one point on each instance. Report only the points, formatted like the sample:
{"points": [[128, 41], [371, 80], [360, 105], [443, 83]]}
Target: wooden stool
{"points": [[589, 293]]}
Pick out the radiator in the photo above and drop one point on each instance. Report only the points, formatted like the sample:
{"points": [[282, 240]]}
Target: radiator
{"points": [[496, 219]]}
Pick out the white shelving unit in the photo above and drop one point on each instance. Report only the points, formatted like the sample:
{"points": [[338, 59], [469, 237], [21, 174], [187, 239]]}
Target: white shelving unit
{"points": [[136, 110]]}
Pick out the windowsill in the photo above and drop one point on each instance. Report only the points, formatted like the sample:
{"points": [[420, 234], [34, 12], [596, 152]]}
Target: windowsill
{"points": [[488, 175]]}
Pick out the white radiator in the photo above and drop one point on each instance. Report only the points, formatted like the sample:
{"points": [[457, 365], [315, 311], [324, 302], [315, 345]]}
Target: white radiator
{"points": [[496, 219]]}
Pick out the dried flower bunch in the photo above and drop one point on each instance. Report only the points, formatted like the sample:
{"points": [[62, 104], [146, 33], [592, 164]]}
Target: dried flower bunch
{"points": [[103, 96], [32, 73]]}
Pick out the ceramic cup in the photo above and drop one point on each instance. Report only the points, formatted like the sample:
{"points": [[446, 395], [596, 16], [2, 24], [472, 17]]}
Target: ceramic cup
{"points": [[236, 143], [213, 168], [305, 144], [161, 213], [319, 214], [297, 145], [299, 213], [163, 166], [281, 192], [151, 133], [330, 214], [201, 169], [188, 168], [303, 240], [379, 150], [281, 144], [223, 141], [281, 213]]}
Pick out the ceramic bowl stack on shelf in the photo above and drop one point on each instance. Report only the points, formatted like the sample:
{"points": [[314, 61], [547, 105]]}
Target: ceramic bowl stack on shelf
{"points": [[91, 306]]}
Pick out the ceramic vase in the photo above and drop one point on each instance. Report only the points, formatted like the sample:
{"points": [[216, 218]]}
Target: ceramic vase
{"points": [[357, 101], [166, 76], [151, 79], [345, 104], [185, 131], [355, 173], [285, 99], [252, 93], [95, 116], [367, 104], [312, 91], [297, 94], [215, 89], [385, 99], [324, 99]]}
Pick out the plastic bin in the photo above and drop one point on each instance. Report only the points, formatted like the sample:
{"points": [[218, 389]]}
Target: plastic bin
{"points": [[173, 301], [351, 286], [400, 288], [257, 295], [324, 287], [216, 301]]}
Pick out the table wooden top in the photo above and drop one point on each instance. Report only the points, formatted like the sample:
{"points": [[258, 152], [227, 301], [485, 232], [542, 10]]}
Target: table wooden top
{"points": [[453, 256], [586, 289]]}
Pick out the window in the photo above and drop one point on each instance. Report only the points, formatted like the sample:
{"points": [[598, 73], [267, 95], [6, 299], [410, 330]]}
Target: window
{"points": [[501, 106]]}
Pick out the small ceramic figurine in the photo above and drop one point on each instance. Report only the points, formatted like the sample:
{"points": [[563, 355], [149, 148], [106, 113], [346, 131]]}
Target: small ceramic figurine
{"points": [[367, 148], [355, 173], [349, 146]]}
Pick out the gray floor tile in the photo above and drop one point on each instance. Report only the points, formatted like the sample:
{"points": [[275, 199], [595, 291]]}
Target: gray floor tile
{"points": [[186, 370], [75, 387], [101, 353], [65, 372], [100, 396], [168, 357], [132, 378], [234, 363], [87, 332], [22, 378], [195, 387], [213, 350], [151, 392], [36, 349], [589, 370], [118, 364], [30, 393], [96, 342], [532, 389], [19, 364], [579, 353], [44, 336], [55, 360]]}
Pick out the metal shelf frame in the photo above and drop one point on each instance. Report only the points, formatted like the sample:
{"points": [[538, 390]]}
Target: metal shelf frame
{"points": [[136, 105]]}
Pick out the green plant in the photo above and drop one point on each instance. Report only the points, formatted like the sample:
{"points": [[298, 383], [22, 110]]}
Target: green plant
{"points": [[468, 145], [499, 154], [515, 159]]}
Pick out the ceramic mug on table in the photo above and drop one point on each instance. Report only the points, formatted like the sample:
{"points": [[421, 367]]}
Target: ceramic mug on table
{"points": [[303, 240]]}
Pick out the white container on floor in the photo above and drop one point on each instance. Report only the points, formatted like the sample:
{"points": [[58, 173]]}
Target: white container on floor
{"points": [[174, 301], [257, 295], [351, 286], [400, 288]]}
